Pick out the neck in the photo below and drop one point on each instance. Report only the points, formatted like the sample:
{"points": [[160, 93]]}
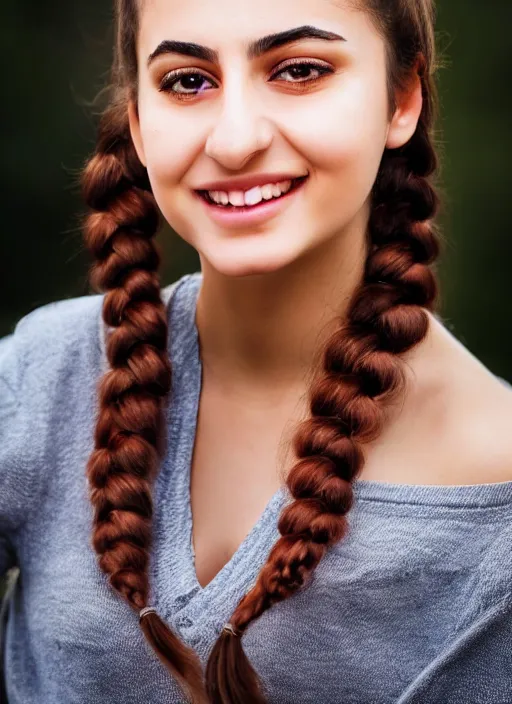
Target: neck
{"points": [[263, 333]]}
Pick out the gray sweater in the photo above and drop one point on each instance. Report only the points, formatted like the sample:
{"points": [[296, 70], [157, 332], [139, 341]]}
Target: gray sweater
{"points": [[414, 606]]}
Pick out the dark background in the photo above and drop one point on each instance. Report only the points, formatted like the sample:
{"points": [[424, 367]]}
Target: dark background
{"points": [[56, 57]]}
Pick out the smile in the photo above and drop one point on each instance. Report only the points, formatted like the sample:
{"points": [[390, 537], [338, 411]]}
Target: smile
{"points": [[238, 216]]}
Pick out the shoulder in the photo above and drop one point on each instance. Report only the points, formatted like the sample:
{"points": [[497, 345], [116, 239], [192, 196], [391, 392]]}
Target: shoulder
{"points": [[59, 316], [488, 429], [43, 336], [48, 327], [479, 416], [67, 329]]}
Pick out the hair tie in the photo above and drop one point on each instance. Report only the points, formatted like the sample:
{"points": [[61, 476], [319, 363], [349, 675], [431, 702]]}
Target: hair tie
{"points": [[146, 610], [229, 628]]}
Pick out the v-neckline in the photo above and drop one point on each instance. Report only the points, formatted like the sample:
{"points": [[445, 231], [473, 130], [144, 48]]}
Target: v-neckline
{"points": [[236, 567], [175, 562]]}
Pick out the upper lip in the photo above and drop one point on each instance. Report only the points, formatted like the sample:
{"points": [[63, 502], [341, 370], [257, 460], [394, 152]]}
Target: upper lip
{"points": [[244, 183]]}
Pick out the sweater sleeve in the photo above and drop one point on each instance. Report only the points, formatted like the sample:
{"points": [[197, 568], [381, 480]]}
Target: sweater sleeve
{"points": [[18, 488]]}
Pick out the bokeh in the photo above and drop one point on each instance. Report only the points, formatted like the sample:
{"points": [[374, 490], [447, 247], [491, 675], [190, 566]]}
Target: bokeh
{"points": [[56, 57]]}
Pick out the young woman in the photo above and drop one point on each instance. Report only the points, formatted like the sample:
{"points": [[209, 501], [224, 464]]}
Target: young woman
{"points": [[279, 479]]}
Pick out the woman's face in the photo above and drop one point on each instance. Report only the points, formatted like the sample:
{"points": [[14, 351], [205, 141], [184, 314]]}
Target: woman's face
{"points": [[237, 114]]}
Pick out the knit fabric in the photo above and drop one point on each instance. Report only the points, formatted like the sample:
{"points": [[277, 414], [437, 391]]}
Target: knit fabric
{"points": [[413, 606]]}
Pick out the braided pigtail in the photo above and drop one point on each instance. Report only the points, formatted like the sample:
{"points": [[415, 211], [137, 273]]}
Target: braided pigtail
{"points": [[130, 432], [362, 373]]}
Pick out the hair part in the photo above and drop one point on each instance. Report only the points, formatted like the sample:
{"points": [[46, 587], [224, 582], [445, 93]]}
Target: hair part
{"points": [[361, 368]]}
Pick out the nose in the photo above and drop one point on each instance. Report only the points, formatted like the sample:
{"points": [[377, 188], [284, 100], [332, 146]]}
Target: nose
{"points": [[240, 129]]}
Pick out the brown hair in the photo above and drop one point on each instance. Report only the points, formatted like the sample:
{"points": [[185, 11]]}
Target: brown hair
{"points": [[361, 368]]}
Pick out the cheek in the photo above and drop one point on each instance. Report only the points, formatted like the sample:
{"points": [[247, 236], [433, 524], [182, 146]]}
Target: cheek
{"points": [[345, 141], [167, 154], [170, 140], [171, 145]]}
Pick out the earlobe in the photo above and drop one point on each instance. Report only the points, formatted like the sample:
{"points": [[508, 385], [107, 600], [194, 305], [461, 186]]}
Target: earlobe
{"points": [[135, 131], [405, 120]]}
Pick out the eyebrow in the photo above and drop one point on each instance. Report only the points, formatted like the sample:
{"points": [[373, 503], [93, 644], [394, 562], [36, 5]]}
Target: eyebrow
{"points": [[254, 50]]}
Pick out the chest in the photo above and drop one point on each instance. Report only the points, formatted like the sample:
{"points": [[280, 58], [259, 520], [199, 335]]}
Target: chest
{"points": [[237, 464], [242, 453]]}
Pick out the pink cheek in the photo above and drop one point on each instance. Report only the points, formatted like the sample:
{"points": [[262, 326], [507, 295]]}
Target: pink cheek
{"points": [[162, 168], [341, 160], [335, 140]]}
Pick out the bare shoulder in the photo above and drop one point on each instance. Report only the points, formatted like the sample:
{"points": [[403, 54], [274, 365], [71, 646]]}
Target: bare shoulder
{"points": [[480, 416]]}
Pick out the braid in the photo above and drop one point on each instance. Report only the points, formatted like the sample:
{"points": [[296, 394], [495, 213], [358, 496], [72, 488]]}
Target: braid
{"points": [[361, 374], [130, 432]]}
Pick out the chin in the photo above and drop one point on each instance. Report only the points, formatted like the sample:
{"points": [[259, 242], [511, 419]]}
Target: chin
{"points": [[243, 258]]}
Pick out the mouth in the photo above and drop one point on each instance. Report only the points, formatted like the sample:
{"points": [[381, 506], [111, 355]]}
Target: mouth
{"points": [[296, 183]]}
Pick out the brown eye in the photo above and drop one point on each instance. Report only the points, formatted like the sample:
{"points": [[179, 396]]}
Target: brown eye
{"points": [[194, 83], [301, 69], [190, 81]]}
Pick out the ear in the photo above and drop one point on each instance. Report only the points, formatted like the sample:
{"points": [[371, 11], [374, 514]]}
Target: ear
{"points": [[135, 131], [409, 102]]}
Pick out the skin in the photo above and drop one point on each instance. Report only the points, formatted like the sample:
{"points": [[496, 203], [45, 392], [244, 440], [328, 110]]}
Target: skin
{"points": [[270, 293]]}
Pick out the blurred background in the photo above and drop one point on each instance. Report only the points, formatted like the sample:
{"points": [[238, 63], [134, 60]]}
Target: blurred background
{"points": [[56, 57]]}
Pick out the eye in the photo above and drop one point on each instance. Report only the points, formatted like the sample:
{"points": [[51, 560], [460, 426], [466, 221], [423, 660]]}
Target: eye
{"points": [[301, 67], [193, 81]]}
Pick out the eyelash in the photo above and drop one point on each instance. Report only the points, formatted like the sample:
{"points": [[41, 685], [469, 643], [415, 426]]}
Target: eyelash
{"points": [[174, 77]]}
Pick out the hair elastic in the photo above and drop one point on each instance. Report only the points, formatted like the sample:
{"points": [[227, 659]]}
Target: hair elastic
{"points": [[146, 610], [229, 628]]}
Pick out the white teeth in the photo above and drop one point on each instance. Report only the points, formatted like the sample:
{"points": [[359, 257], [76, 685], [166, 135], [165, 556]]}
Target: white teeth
{"points": [[236, 197], [268, 191], [253, 196]]}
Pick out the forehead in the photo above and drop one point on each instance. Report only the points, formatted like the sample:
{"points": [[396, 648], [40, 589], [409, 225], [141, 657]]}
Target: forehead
{"points": [[228, 25]]}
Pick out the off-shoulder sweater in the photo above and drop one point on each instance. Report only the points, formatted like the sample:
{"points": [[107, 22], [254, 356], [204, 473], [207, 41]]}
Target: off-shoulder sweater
{"points": [[413, 606]]}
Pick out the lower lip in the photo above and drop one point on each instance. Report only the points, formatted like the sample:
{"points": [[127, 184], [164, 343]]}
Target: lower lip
{"points": [[250, 215]]}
